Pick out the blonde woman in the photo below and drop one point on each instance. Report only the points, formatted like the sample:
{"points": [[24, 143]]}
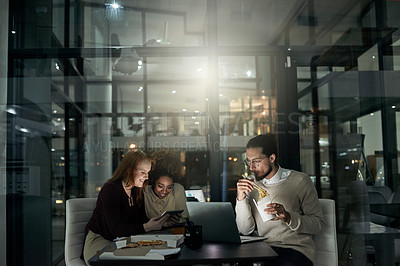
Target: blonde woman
{"points": [[120, 210]]}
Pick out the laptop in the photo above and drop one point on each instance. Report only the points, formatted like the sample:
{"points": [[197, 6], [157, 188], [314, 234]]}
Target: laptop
{"points": [[218, 222], [198, 194]]}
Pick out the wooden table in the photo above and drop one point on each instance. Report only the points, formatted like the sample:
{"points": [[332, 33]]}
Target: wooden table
{"points": [[209, 253]]}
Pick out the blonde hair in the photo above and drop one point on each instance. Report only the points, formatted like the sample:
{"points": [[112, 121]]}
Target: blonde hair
{"points": [[125, 171]]}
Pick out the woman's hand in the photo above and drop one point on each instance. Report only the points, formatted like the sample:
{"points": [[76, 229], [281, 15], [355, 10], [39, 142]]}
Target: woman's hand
{"points": [[173, 220], [155, 223]]}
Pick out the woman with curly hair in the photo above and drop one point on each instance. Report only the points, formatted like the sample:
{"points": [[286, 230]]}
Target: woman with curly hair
{"points": [[120, 210], [163, 193]]}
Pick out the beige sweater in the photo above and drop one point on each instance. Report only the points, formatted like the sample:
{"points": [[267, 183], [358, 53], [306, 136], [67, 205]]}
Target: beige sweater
{"points": [[176, 200], [299, 197]]}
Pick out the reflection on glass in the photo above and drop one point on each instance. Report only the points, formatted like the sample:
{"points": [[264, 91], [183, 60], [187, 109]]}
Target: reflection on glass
{"points": [[190, 98], [247, 92]]}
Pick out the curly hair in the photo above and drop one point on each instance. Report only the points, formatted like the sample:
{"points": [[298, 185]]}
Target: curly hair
{"points": [[167, 164]]}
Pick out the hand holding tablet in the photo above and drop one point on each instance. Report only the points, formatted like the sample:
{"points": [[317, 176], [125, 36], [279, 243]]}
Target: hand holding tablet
{"points": [[171, 213]]}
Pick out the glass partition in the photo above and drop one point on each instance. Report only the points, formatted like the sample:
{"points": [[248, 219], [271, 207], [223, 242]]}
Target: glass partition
{"points": [[87, 81]]}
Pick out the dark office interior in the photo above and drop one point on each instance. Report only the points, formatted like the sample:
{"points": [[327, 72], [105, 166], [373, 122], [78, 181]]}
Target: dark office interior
{"points": [[84, 82]]}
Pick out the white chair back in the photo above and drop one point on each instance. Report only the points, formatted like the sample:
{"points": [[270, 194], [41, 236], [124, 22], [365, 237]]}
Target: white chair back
{"points": [[326, 241], [78, 213]]}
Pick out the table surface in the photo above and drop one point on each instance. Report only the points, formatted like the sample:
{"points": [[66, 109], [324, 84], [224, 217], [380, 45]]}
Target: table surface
{"points": [[387, 209], [208, 253], [382, 238]]}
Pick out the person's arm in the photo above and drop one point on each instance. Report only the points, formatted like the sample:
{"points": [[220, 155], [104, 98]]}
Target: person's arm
{"points": [[311, 221], [110, 197], [155, 223], [244, 217], [180, 200]]}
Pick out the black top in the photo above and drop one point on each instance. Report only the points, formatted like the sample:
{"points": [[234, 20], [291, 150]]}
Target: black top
{"points": [[113, 217]]}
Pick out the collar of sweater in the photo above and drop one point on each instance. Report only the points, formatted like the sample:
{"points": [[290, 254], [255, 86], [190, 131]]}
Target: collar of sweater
{"points": [[153, 196]]}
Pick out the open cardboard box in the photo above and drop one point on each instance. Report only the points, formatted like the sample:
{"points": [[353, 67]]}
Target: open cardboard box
{"points": [[173, 241], [144, 252]]}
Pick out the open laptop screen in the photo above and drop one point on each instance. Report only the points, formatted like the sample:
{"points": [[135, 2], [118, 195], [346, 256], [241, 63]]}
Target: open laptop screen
{"points": [[196, 193]]}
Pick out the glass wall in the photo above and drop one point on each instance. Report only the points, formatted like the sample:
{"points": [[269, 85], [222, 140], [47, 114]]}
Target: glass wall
{"points": [[3, 131], [88, 81]]}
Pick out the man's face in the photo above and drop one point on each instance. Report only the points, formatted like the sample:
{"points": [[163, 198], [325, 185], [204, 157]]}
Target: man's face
{"points": [[259, 163]]}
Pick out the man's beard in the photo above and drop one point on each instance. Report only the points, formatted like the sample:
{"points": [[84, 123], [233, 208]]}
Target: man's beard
{"points": [[263, 176]]}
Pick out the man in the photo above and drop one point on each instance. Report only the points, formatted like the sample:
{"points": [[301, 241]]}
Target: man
{"points": [[294, 202]]}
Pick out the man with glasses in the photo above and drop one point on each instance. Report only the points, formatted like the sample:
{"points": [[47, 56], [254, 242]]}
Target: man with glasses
{"points": [[294, 202]]}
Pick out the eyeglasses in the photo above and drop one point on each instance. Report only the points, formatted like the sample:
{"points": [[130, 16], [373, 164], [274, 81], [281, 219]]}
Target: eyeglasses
{"points": [[254, 162]]}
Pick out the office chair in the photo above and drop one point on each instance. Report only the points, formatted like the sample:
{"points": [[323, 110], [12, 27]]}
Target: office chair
{"points": [[384, 190], [78, 213], [326, 250], [378, 197]]}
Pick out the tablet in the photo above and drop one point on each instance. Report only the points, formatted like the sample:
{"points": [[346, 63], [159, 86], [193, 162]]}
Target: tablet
{"points": [[171, 213]]}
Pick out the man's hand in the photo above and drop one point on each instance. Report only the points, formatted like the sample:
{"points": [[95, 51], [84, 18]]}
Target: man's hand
{"points": [[155, 223], [278, 210], [243, 186]]}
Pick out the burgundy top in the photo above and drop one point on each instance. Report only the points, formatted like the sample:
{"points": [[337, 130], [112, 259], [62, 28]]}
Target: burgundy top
{"points": [[113, 217]]}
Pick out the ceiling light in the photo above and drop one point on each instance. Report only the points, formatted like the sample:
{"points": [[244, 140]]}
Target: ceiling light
{"points": [[113, 5], [112, 10], [248, 73], [173, 92], [11, 111], [140, 88], [184, 110], [393, 106]]}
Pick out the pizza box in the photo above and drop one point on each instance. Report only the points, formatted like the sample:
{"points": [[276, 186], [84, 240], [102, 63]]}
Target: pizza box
{"points": [[173, 241]]}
